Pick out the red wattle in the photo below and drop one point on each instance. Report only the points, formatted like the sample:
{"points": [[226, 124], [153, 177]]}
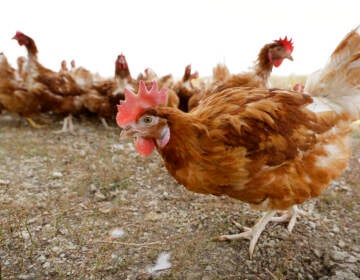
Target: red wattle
{"points": [[144, 146], [277, 62]]}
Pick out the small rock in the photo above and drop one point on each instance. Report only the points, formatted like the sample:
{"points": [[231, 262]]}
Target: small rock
{"points": [[70, 246], [317, 253], [57, 175], [26, 276], [46, 265], [117, 147], [56, 249], [312, 225], [352, 259], [41, 258], [99, 196], [92, 188], [25, 234], [341, 244], [344, 275], [4, 182], [116, 233], [338, 256], [152, 216], [335, 229]]}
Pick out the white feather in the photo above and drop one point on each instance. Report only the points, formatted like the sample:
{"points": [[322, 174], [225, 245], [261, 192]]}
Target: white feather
{"points": [[162, 263], [337, 86]]}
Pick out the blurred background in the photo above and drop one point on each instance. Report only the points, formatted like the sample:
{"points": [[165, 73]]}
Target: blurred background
{"points": [[167, 35]]}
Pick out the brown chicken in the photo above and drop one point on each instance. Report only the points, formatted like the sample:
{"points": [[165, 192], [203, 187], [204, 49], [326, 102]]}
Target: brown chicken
{"points": [[59, 91], [106, 94], [220, 73], [269, 56], [13, 97], [63, 67], [271, 148], [184, 89], [83, 77], [166, 81]]}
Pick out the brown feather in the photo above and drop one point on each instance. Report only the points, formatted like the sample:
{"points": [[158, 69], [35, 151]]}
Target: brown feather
{"points": [[256, 145]]}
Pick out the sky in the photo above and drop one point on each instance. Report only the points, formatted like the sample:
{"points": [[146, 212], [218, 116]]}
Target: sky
{"points": [[168, 35]]}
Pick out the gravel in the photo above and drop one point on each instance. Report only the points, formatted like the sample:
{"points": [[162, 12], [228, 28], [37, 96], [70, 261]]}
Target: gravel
{"points": [[85, 206]]}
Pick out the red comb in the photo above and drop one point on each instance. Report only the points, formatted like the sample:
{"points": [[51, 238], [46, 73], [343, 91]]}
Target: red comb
{"points": [[288, 44], [17, 35], [134, 104]]}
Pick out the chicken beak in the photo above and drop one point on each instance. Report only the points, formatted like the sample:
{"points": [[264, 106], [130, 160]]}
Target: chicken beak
{"points": [[289, 56], [126, 133]]}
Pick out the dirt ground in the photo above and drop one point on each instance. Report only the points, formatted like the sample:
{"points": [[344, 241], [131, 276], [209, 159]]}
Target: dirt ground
{"points": [[86, 206]]}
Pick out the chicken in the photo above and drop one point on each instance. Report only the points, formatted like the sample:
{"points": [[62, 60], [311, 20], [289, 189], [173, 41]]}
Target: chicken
{"points": [[271, 148], [184, 88], [166, 81], [104, 95], [63, 67], [270, 55], [15, 98], [59, 88], [83, 77], [57, 83], [220, 73], [6, 69]]}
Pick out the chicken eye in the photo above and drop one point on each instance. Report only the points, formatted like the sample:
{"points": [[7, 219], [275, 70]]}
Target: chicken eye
{"points": [[147, 119]]}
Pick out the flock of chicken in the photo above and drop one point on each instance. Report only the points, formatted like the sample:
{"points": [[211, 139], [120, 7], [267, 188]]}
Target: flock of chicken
{"points": [[32, 89], [234, 135]]}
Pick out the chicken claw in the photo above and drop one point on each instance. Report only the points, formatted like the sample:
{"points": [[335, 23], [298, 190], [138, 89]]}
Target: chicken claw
{"points": [[290, 215], [67, 125], [34, 124], [253, 233]]}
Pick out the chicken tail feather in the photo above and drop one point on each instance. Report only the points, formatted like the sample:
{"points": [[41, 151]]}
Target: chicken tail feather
{"points": [[337, 85]]}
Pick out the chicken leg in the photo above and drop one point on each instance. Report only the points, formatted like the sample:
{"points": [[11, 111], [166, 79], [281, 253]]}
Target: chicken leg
{"points": [[254, 233], [34, 124], [290, 215], [67, 125]]}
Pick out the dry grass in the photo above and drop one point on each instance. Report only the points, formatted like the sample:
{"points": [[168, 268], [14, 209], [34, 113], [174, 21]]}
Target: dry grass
{"points": [[62, 194]]}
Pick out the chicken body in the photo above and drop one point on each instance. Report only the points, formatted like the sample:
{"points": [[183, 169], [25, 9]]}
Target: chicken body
{"points": [[14, 97], [103, 96], [270, 55], [271, 148], [260, 146], [56, 92], [184, 89]]}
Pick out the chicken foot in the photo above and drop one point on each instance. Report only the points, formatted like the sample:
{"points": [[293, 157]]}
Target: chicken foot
{"points": [[253, 233], [34, 124], [290, 216], [67, 125]]}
